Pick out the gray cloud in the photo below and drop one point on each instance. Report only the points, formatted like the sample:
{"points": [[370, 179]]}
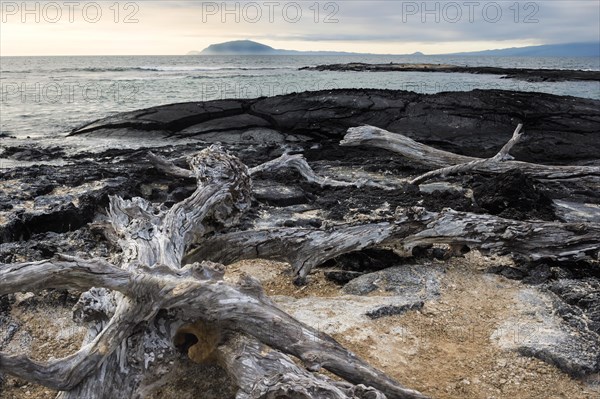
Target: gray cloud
{"points": [[557, 21]]}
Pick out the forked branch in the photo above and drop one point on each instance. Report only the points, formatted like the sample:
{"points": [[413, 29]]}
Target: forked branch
{"points": [[298, 162], [434, 158], [285, 161], [501, 156]]}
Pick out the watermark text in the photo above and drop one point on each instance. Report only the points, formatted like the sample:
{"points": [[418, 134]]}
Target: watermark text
{"points": [[69, 11]]}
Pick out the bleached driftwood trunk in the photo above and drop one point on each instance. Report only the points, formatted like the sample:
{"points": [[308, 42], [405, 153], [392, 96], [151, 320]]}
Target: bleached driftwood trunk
{"points": [[439, 159], [306, 248], [139, 313], [502, 156], [302, 248], [285, 161], [298, 163]]}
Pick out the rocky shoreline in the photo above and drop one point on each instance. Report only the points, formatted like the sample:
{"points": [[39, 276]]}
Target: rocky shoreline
{"points": [[48, 209], [526, 74]]}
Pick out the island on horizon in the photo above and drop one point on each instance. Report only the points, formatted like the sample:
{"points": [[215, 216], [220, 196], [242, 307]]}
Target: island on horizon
{"points": [[249, 47]]}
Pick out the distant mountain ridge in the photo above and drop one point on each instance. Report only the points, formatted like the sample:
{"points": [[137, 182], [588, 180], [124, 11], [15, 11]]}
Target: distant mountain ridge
{"points": [[238, 47], [249, 47], [547, 50]]}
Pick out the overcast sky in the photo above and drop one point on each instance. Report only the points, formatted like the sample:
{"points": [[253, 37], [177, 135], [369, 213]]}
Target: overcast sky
{"points": [[387, 27]]}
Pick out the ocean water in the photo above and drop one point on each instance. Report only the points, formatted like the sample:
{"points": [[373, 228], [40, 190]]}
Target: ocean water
{"points": [[46, 97]]}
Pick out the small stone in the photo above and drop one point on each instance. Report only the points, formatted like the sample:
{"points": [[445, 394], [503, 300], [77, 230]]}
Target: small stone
{"points": [[22, 297]]}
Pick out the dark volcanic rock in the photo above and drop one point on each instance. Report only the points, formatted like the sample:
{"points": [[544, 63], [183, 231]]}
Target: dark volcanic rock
{"points": [[477, 123], [407, 280], [513, 195], [567, 294], [583, 293], [565, 341], [46, 198], [30, 153], [340, 202], [528, 74], [513, 273], [82, 242], [347, 267], [45, 207], [392, 310], [367, 260]]}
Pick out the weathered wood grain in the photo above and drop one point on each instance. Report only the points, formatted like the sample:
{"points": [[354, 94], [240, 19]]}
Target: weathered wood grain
{"points": [[434, 158]]}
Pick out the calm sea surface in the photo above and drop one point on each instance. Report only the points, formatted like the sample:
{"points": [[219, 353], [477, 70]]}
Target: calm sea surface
{"points": [[46, 97]]}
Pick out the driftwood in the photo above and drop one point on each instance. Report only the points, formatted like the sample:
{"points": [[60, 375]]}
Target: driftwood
{"points": [[501, 156], [140, 313], [530, 241], [302, 248], [168, 167], [298, 163], [305, 248], [439, 159], [260, 372], [285, 161]]}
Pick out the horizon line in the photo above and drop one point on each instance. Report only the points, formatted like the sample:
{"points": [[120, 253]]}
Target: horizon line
{"points": [[314, 53]]}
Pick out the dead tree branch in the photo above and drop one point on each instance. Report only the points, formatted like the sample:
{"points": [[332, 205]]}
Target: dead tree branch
{"points": [[298, 163], [302, 248], [285, 161], [531, 241], [434, 158], [168, 167], [71, 273], [305, 249], [501, 156]]}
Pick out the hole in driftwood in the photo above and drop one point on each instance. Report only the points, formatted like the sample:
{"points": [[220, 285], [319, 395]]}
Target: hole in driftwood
{"points": [[183, 342], [199, 341]]}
